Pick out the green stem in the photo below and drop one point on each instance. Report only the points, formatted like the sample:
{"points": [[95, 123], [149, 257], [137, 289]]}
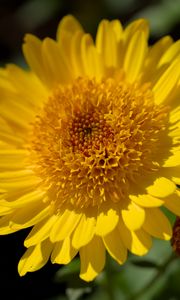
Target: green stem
{"points": [[110, 292], [108, 284], [161, 269]]}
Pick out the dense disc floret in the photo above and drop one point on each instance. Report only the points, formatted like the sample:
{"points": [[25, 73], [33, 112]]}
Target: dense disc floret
{"points": [[93, 139]]}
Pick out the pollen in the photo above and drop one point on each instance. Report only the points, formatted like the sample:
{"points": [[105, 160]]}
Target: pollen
{"points": [[94, 139]]}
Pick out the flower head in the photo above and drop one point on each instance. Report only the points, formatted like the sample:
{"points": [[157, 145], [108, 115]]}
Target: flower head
{"points": [[90, 144]]}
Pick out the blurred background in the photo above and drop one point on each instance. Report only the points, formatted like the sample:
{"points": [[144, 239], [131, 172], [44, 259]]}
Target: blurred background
{"points": [[41, 18], [153, 277]]}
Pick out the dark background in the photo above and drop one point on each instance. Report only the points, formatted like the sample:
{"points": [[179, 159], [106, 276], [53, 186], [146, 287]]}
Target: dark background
{"points": [[41, 18]]}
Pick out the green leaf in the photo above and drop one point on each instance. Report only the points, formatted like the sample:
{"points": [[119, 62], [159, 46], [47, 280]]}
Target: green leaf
{"points": [[67, 271], [169, 215], [75, 294]]}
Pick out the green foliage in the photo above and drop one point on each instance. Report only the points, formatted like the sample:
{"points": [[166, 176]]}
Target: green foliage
{"points": [[36, 12], [163, 15], [152, 277]]}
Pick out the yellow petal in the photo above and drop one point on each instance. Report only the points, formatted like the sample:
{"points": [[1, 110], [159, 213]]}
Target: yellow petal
{"points": [[135, 55], [75, 54], [28, 198], [40, 231], [170, 54], [29, 183], [173, 203], [84, 231], [146, 200], [18, 117], [12, 158], [138, 25], [174, 115], [158, 49], [4, 82], [107, 37], [69, 26], [173, 128], [4, 225], [96, 68], [173, 160], [32, 50], [161, 188], [86, 46], [20, 114], [29, 215], [19, 175], [69, 36], [7, 135], [3, 208], [176, 180], [12, 97], [107, 219], [21, 99], [24, 81], [138, 242], [91, 60], [92, 258], [167, 82], [116, 26], [55, 63], [63, 252], [115, 246], [172, 173], [133, 216], [175, 134], [34, 258], [153, 57], [157, 224], [65, 225]]}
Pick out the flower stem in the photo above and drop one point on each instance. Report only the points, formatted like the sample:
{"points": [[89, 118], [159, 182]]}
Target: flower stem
{"points": [[109, 284]]}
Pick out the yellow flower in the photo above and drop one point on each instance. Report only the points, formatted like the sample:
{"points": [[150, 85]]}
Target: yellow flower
{"points": [[90, 144]]}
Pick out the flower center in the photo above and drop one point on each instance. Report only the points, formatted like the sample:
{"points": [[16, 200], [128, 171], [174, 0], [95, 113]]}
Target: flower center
{"points": [[94, 139], [89, 131]]}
